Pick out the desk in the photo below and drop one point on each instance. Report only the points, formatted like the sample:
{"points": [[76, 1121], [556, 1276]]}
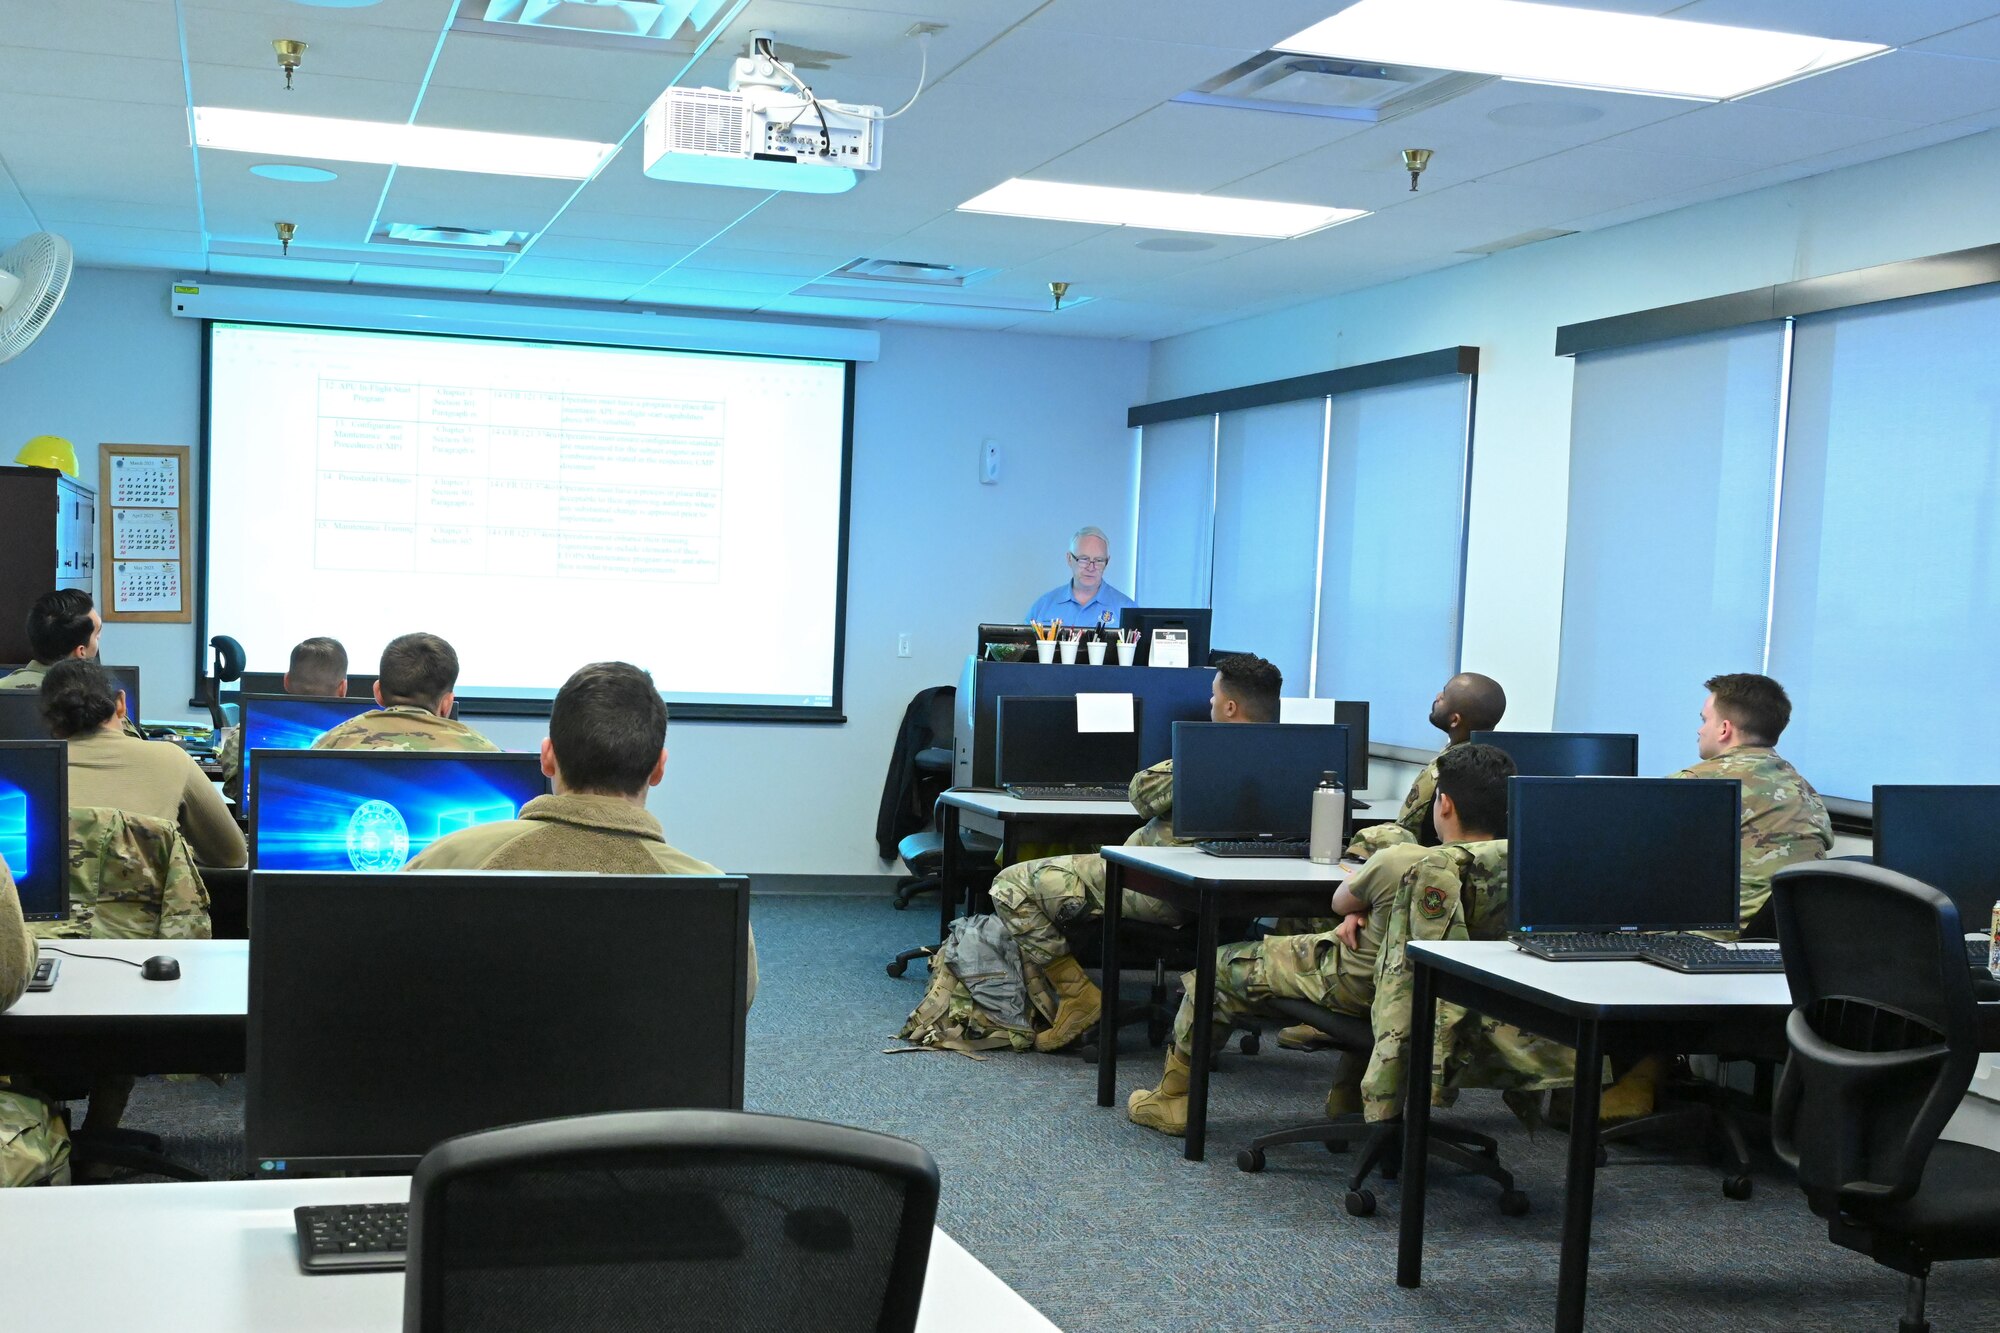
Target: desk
{"points": [[220, 1258], [1210, 887], [1601, 1009], [104, 1018], [1015, 821]]}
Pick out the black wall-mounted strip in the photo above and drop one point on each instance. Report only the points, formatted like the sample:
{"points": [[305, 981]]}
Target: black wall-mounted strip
{"points": [[1320, 384]]}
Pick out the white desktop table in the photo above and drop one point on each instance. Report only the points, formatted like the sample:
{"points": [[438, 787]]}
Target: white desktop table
{"points": [[1209, 887], [222, 1257], [102, 1017], [1599, 1009], [1015, 821]]}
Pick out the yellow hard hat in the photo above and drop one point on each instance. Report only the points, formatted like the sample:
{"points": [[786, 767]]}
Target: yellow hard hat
{"points": [[49, 451]]}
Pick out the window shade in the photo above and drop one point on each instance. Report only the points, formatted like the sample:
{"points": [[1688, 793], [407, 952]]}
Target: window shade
{"points": [[1673, 451], [1267, 487], [1176, 494]]}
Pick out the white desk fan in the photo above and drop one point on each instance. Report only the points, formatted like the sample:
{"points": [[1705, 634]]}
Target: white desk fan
{"points": [[33, 277]]}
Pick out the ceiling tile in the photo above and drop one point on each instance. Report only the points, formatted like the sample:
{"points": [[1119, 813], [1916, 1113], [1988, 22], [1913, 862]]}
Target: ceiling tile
{"points": [[419, 15], [728, 280], [1892, 24], [513, 63], [1048, 66], [339, 44], [1193, 148], [726, 259], [534, 265], [1202, 22], [296, 270], [1980, 39], [141, 28], [521, 113], [575, 289], [393, 275], [55, 145], [338, 95], [584, 226], [552, 245], [985, 240], [828, 308], [1902, 85], [106, 77], [470, 199], [672, 295], [1751, 132]]}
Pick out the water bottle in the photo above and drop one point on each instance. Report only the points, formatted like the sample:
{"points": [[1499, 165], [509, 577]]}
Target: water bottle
{"points": [[1992, 943], [1329, 820]]}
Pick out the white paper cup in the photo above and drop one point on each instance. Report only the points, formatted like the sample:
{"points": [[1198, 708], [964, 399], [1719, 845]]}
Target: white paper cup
{"points": [[1096, 650], [1045, 650], [1126, 652], [1069, 652]]}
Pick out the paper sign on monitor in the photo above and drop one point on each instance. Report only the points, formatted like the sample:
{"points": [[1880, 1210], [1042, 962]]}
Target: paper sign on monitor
{"points": [[1169, 649], [1103, 712]]}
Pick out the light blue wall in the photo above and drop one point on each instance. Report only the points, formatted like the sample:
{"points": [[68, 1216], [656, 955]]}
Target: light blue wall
{"points": [[1920, 203], [932, 551]]}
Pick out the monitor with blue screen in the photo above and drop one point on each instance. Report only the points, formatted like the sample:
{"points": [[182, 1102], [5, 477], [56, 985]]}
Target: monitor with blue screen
{"points": [[126, 678], [292, 721], [373, 810], [34, 825]]}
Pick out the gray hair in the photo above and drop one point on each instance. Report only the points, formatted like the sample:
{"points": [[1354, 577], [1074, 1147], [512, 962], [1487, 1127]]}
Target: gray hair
{"points": [[1093, 531]]}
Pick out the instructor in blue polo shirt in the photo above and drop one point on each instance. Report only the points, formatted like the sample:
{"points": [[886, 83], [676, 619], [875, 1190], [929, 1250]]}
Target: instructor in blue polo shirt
{"points": [[1086, 601]]}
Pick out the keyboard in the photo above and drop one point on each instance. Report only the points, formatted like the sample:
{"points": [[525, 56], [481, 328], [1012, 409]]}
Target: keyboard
{"points": [[1582, 947], [1977, 954], [46, 969], [1257, 847], [1058, 792], [1698, 953], [352, 1237]]}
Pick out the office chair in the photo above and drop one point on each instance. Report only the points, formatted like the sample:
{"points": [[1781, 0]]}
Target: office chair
{"points": [[1380, 1142], [1884, 1035], [688, 1219]]}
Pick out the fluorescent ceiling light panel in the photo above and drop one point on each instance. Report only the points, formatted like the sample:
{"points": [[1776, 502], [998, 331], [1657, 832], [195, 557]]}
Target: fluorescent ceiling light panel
{"points": [[1157, 210], [1578, 48], [398, 145]]}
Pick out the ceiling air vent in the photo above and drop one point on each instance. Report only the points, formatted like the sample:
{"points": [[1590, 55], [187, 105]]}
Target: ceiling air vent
{"points": [[413, 233], [1304, 85], [651, 25], [905, 272]]}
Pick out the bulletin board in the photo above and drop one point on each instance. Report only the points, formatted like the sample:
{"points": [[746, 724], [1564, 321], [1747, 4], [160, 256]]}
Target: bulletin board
{"points": [[143, 492]]}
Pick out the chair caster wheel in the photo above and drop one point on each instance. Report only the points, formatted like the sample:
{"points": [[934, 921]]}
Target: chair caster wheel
{"points": [[1361, 1203], [1249, 1043], [901, 903], [897, 968], [1513, 1203], [1736, 1187], [1250, 1160]]}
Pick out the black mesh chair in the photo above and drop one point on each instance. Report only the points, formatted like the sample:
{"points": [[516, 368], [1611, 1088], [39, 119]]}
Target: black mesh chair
{"points": [[1379, 1144], [716, 1220], [1885, 1034]]}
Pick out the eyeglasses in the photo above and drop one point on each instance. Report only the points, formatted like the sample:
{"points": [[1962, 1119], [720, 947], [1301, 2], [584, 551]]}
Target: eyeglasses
{"points": [[1091, 561]]}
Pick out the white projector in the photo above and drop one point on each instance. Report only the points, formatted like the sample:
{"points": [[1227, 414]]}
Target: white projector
{"points": [[760, 137]]}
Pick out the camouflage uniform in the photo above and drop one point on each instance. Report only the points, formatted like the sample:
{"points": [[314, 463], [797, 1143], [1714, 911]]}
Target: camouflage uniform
{"points": [[131, 877], [34, 1145], [1471, 1050], [229, 758], [1037, 898], [402, 727], [1413, 821], [1784, 820], [1314, 967], [18, 950]]}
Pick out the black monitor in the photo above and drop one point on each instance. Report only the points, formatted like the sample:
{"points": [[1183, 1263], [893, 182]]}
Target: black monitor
{"points": [[1353, 714], [1039, 743], [126, 678], [291, 721], [1936, 834], [1567, 754], [373, 810], [389, 1012], [34, 824], [1240, 780], [21, 716], [1604, 854], [1016, 636], [1146, 619]]}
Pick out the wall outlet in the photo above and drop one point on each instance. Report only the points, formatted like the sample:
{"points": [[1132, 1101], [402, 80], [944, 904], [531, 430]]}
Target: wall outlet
{"points": [[989, 463], [902, 645]]}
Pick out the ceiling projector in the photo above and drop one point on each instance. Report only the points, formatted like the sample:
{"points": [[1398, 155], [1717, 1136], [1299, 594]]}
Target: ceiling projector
{"points": [[767, 132]]}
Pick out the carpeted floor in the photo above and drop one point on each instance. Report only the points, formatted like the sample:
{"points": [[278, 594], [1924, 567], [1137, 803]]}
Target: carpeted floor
{"points": [[1103, 1226]]}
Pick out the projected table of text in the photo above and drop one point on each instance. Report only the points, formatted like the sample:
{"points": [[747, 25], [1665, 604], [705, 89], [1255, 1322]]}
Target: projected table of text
{"points": [[454, 479]]}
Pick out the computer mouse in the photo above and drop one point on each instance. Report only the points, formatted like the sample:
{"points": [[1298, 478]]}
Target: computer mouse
{"points": [[160, 968]]}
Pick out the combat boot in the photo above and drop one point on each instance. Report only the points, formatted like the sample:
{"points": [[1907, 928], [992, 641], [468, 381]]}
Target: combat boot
{"points": [[1078, 1006], [1164, 1108], [1631, 1096], [1345, 1096], [1303, 1037]]}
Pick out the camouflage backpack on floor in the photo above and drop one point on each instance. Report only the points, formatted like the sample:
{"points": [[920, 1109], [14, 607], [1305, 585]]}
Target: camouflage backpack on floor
{"points": [[983, 994], [34, 1142]]}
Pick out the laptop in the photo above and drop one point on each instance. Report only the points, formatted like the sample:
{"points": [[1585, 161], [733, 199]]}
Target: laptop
{"points": [[1040, 755], [1612, 869], [1245, 788]]}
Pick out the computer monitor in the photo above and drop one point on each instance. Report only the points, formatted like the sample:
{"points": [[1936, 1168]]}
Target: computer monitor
{"points": [[1241, 780], [34, 825], [1349, 713], [1022, 636], [1567, 754], [1610, 854], [389, 1012], [291, 721], [1146, 619], [373, 810], [21, 716], [1039, 743], [1936, 834], [126, 678]]}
